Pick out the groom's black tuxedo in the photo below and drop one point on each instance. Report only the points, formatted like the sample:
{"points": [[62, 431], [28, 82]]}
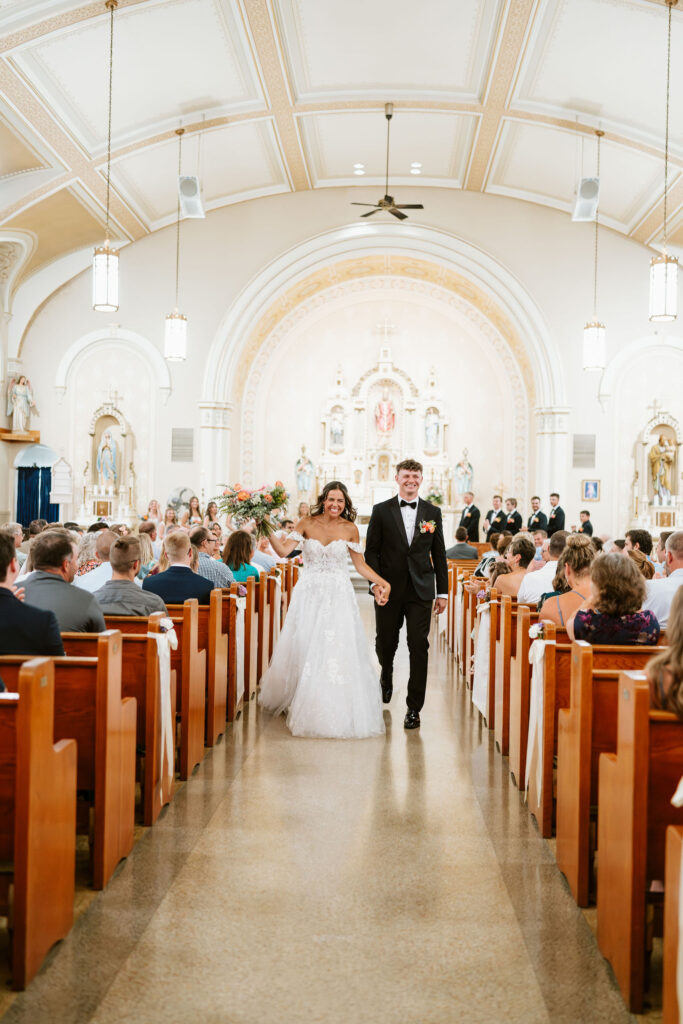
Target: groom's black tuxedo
{"points": [[417, 572]]}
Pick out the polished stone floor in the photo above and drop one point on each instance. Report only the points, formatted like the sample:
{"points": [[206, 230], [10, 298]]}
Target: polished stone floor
{"points": [[396, 880]]}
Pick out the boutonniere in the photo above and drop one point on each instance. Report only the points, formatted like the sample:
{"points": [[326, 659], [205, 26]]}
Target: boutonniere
{"points": [[427, 526], [467, 514]]}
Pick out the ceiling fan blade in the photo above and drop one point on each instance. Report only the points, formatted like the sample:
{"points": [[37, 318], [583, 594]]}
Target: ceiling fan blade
{"points": [[370, 212], [396, 213], [365, 204], [409, 206]]}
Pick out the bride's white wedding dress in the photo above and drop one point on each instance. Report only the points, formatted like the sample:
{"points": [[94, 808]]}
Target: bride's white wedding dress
{"points": [[321, 672]]}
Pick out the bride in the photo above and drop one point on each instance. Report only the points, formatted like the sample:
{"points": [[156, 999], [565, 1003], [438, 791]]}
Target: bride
{"points": [[321, 672]]}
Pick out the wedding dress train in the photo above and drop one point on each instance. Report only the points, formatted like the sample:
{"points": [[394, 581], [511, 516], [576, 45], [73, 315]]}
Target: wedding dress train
{"points": [[321, 673]]}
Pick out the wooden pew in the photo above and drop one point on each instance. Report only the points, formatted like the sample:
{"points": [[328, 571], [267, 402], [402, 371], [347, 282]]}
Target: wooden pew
{"points": [[212, 638], [469, 617], [273, 616], [520, 678], [450, 612], [586, 729], [89, 708], [140, 679], [229, 627], [37, 820], [506, 644], [671, 1013], [189, 662], [555, 686], [634, 796]]}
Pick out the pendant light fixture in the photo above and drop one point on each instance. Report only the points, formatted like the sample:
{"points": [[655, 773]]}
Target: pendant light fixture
{"points": [[175, 334], [595, 332], [664, 267], [105, 264]]}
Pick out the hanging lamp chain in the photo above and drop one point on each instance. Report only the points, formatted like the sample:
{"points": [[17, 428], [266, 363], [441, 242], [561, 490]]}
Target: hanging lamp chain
{"points": [[595, 245], [179, 133], [111, 6], [671, 4]]}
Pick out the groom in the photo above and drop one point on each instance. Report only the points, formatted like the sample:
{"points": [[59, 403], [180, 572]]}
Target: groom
{"points": [[405, 545]]}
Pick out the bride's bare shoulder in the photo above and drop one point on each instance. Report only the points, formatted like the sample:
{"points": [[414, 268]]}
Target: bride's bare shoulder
{"points": [[351, 531]]}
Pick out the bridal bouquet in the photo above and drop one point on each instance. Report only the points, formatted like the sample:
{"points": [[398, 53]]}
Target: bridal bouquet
{"points": [[244, 505]]}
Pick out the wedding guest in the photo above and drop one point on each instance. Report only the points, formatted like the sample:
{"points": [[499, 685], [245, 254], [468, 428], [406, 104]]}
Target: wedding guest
{"points": [[96, 577], [537, 520], [153, 512], [660, 593], [147, 557], [576, 560], [304, 509], [461, 549], [504, 542], [495, 517], [16, 532], [612, 614], [619, 543], [643, 565], [513, 520], [639, 540], [585, 525], [556, 517], [55, 557], [518, 555], [120, 595], [207, 545], [217, 531], [498, 569], [597, 544], [192, 516], [87, 559], [470, 517], [262, 557], [237, 556], [23, 628], [540, 539], [149, 529], [211, 516], [170, 519], [120, 529], [178, 583], [96, 527], [539, 582], [665, 670], [74, 528], [660, 554], [35, 527], [489, 556]]}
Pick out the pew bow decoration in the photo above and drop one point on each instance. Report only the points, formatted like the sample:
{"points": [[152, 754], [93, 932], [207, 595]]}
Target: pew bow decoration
{"points": [[534, 750], [244, 505], [677, 798], [536, 632], [166, 642]]}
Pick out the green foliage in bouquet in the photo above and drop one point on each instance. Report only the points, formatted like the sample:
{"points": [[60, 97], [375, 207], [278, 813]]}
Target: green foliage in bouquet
{"points": [[435, 496], [244, 505]]}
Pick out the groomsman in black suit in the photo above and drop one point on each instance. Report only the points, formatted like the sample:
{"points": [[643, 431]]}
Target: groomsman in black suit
{"points": [[537, 520], [513, 520], [556, 517], [495, 517], [586, 525], [470, 517]]}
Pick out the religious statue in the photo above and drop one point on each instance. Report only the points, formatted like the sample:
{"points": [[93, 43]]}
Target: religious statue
{"points": [[20, 404], [431, 430], [304, 471], [385, 416], [337, 429], [463, 474], [661, 463], [107, 473]]}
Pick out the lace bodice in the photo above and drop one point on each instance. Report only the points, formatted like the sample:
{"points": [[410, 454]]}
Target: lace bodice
{"points": [[330, 557]]}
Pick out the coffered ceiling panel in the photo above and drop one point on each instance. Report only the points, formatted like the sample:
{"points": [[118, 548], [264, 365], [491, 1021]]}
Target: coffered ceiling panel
{"points": [[172, 58], [545, 164], [16, 14], [436, 47], [605, 60], [15, 155], [233, 163], [439, 142]]}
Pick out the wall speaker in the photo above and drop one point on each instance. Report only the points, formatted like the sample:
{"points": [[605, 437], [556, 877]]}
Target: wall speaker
{"points": [[190, 196], [587, 197]]}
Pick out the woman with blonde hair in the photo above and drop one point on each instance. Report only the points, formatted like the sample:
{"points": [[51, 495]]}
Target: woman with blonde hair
{"points": [[643, 564], [614, 613], [574, 567], [665, 671], [147, 559]]}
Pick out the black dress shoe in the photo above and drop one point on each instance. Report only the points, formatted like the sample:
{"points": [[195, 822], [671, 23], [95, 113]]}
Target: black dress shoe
{"points": [[412, 720], [387, 689]]}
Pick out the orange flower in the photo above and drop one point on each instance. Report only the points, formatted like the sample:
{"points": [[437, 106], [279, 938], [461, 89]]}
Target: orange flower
{"points": [[268, 498], [237, 487], [279, 483], [243, 495]]}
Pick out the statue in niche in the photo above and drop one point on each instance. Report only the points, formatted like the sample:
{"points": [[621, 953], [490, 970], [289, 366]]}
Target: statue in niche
{"points": [[337, 429], [432, 430], [106, 464], [464, 474], [661, 464], [20, 404], [385, 415], [304, 471]]}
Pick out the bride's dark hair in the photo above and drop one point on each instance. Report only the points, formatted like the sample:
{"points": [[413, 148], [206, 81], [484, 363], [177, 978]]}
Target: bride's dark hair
{"points": [[349, 512]]}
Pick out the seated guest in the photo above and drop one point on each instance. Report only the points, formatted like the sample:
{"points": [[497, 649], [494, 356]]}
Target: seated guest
{"points": [[73, 528], [665, 671], [619, 543], [23, 628], [539, 582], [304, 509], [504, 542], [597, 543], [96, 527], [518, 555], [178, 582], [613, 615], [660, 554], [262, 557], [100, 573], [237, 556], [147, 558], [489, 556], [640, 540], [575, 561], [120, 529], [585, 526], [16, 531], [120, 595], [87, 559], [660, 593], [149, 529], [540, 539], [50, 587], [642, 563], [461, 549], [35, 527], [513, 520], [206, 543]]}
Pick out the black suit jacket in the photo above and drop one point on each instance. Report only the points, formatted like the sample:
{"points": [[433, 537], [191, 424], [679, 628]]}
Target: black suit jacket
{"points": [[537, 521], [586, 528], [27, 630], [423, 562], [555, 520], [513, 522], [496, 521], [470, 520], [177, 584]]}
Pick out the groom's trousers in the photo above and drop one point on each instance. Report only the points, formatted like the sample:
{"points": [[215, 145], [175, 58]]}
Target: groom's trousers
{"points": [[389, 618]]}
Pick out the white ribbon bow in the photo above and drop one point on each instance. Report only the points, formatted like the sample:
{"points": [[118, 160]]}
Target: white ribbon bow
{"points": [[166, 642], [534, 748]]}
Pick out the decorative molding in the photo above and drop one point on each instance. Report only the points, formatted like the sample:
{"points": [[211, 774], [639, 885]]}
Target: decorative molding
{"points": [[125, 339], [107, 409], [16, 249]]}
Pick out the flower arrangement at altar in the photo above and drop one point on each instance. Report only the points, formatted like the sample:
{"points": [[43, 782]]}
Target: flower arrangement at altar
{"points": [[244, 505], [435, 496]]}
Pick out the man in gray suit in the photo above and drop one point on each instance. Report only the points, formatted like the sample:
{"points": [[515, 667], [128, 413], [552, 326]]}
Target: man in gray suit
{"points": [[55, 559], [120, 595], [462, 549]]}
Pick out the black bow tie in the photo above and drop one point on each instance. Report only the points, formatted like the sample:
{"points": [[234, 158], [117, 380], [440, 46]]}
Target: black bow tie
{"points": [[410, 504]]}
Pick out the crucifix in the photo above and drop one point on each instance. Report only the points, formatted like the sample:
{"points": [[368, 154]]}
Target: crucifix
{"points": [[655, 406]]}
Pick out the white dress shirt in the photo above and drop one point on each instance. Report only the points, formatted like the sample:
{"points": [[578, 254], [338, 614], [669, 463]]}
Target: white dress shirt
{"points": [[660, 594], [536, 584], [96, 578]]}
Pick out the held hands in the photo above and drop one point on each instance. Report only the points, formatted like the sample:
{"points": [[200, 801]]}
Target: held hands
{"points": [[381, 592]]}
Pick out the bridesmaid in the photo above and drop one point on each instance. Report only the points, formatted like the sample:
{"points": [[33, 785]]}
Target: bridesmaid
{"points": [[193, 515], [170, 519]]}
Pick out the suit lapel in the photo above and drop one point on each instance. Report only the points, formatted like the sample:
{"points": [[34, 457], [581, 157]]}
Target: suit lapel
{"points": [[418, 518], [396, 512]]}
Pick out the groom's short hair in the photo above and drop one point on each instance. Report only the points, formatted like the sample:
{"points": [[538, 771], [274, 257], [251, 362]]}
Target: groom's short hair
{"points": [[411, 465]]}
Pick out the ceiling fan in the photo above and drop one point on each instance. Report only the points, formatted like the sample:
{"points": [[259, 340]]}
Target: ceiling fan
{"points": [[387, 203]]}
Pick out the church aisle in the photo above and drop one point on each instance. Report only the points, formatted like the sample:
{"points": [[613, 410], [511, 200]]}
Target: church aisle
{"points": [[398, 879]]}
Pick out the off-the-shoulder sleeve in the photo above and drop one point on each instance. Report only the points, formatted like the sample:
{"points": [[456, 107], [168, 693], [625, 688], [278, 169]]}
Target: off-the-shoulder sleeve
{"points": [[293, 535], [353, 547]]}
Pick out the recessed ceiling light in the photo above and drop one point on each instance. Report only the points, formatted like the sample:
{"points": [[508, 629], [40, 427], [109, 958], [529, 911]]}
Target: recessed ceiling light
{"points": [[415, 163], [359, 167], [415, 170], [358, 171]]}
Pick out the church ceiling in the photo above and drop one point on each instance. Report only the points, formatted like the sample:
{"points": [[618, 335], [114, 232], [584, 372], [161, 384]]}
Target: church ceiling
{"points": [[496, 96]]}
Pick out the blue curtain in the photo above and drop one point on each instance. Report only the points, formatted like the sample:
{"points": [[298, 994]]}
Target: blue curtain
{"points": [[47, 511], [28, 494]]}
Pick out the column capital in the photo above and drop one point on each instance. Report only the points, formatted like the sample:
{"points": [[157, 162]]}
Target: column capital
{"points": [[552, 419], [215, 415]]}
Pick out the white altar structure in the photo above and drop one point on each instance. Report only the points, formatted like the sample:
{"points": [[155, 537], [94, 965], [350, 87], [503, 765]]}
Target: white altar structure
{"points": [[108, 487], [657, 498]]}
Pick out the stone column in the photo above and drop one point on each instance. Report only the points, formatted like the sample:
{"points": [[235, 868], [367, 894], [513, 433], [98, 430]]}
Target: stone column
{"points": [[215, 419], [552, 452]]}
